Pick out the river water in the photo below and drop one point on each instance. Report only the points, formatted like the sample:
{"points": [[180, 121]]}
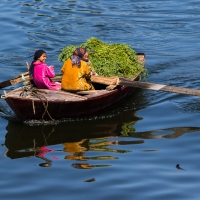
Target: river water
{"points": [[145, 148]]}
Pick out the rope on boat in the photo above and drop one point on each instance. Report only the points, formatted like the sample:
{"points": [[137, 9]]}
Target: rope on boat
{"points": [[33, 106], [34, 92]]}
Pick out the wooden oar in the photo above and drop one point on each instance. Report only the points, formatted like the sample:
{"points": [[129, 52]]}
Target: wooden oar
{"points": [[25, 77], [165, 88], [20, 78], [144, 85]]}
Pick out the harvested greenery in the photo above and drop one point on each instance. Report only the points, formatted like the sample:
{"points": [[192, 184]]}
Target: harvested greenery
{"points": [[108, 59]]}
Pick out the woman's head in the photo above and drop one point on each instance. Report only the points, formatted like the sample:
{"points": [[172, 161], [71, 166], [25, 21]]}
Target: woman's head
{"points": [[40, 55], [78, 55], [82, 53]]}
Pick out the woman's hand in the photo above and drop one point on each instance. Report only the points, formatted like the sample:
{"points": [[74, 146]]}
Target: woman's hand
{"points": [[93, 73]]}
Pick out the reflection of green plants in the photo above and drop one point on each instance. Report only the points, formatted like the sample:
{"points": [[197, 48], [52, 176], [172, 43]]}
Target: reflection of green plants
{"points": [[108, 59], [128, 128], [102, 146]]}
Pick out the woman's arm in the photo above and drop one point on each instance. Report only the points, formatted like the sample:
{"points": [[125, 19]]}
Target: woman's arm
{"points": [[50, 71]]}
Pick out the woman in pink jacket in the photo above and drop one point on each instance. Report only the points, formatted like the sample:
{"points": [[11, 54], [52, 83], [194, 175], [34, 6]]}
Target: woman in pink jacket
{"points": [[41, 73]]}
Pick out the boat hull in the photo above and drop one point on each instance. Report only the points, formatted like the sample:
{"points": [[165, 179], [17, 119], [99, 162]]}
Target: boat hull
{"points": [[23, 107]]}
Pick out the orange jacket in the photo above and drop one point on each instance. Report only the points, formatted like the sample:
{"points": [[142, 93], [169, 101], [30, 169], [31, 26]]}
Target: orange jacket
{"points": [[74, 78]]}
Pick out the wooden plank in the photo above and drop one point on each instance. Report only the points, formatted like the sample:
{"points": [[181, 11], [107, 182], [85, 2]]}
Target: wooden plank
{"points": [[87, 92], [105, 80]]}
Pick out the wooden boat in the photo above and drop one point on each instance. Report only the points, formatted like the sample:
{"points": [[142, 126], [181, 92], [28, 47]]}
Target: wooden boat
{"points": [[29, 104]]}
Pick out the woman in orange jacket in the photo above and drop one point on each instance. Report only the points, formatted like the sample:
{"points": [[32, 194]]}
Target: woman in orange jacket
{"points": [[76, 72]]}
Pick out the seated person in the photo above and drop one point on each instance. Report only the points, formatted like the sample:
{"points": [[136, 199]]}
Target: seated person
{"points": [[76, 72], [41, 73]]}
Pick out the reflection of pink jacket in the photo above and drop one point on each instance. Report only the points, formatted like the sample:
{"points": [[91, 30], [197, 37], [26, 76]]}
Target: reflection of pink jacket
{"points": [[44, 150], [42, 75]]}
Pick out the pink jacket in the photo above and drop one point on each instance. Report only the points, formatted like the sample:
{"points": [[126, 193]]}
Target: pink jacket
{"points": [[42, 75]]}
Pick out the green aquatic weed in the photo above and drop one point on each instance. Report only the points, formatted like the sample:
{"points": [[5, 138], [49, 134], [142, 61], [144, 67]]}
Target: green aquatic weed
{"points": [[108, 59]]}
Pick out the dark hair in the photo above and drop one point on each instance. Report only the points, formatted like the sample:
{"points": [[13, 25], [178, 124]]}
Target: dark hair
{"points": [[38, 54]]}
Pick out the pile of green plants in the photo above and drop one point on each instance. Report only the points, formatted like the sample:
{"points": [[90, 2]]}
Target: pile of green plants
{"points": [[108, 59]]}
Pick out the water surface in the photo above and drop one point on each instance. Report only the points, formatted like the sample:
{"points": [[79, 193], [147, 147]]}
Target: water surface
{"points": [[129, 152]]}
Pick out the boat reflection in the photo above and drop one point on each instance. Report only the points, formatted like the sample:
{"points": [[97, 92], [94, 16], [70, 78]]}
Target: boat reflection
{"points": [[75, 137]]}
